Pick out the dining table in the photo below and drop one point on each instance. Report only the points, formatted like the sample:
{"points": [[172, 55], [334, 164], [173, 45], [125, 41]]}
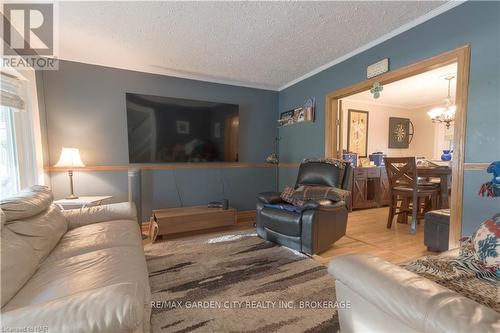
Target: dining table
{"points": [[444, 175]]}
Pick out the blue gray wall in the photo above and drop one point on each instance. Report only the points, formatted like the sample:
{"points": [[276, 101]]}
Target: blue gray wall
{"points": [[477, 23], [85, 108]]}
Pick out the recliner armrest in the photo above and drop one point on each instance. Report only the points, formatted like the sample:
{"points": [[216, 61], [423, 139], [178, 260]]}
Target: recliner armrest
{"points": [[324, 204], [269, 197]]}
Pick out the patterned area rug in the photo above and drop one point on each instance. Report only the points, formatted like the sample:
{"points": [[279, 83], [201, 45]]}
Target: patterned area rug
{"points": [[236, 282], [462, 274]]}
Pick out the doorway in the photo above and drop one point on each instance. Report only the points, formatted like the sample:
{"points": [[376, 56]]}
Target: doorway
{"points": [[334, 118]]}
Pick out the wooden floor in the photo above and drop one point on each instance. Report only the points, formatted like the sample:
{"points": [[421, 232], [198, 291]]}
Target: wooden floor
{"points": [[367, 233]]}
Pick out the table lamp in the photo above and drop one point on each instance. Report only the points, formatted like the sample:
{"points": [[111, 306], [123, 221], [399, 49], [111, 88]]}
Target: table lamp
{"points": [[70, 158]]}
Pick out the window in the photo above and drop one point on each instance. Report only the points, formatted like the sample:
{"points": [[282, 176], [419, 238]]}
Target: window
{"points": [[18, 166], [9, 177]]}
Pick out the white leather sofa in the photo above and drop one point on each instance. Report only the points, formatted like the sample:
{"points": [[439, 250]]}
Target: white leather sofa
{"points": [[79, 270], [387, 298]]}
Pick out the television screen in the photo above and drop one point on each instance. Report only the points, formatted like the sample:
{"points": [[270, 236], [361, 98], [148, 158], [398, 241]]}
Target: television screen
{"points": [[166, 130]]}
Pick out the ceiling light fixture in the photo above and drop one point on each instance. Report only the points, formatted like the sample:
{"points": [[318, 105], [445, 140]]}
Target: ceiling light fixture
{"points": [[445, 114]]}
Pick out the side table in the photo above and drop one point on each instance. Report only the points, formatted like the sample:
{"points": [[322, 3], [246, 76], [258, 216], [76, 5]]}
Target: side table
{"points": [[82, 202]]}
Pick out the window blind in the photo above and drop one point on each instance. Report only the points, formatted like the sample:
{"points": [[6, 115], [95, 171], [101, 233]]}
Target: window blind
{"points": [[10, 92]]}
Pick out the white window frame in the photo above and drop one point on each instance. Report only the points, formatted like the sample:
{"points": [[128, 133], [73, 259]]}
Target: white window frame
{"points": [[28, 130]]}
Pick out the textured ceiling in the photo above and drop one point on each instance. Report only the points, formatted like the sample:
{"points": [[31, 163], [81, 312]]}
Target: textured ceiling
{"points": [[426, 89], [263, 44]]}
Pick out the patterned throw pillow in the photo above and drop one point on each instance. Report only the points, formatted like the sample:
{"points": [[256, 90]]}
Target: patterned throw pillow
{"points": [[486, 242], [306, 192], [287, 196]]}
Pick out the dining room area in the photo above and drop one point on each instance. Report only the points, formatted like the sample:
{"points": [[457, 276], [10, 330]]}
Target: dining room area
{"points": [[399, 139]]}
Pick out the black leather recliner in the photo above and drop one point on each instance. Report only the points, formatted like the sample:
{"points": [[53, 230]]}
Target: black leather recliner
{"points": [[321, 222]]}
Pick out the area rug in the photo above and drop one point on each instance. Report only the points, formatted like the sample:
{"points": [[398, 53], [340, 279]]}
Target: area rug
{"points": [[236, 282], [461, 273]]}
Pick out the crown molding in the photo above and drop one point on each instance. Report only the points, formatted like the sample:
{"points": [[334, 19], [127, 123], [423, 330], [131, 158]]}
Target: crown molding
{"points": [[405, 27], [172, 73]]}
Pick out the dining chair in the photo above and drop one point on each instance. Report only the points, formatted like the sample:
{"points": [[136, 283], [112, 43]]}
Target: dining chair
{"points": [[406, 192]]}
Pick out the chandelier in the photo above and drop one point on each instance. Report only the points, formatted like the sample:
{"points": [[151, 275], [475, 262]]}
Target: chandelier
{"points": [[445, 114]]}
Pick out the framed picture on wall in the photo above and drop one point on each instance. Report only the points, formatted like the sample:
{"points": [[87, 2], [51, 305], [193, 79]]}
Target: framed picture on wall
{"points": [[400, 132], [357, 132], [286, 118]]}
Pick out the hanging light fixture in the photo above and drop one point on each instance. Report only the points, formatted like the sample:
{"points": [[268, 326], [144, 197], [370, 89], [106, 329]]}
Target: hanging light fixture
{"points": [[445, 114]]}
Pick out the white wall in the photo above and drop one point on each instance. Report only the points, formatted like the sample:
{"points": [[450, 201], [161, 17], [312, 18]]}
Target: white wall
{"points": [[423, 140], [441, 139], [444, 139], [423, 144]]}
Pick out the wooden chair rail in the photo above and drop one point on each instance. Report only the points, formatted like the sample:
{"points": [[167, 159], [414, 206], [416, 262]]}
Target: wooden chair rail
{"points": [[166, 166]]}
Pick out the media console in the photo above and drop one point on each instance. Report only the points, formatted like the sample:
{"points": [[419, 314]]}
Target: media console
{"points": [[184, 219]]}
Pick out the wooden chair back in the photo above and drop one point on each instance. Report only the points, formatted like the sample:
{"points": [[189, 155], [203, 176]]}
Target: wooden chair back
{"points": [[402, 172]]}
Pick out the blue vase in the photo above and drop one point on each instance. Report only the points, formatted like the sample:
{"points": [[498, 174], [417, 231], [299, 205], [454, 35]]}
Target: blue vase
{"points": [[446, 155]]}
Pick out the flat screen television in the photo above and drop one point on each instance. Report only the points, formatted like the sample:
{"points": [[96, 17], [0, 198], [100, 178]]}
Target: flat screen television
{"points": [[170, 130]]}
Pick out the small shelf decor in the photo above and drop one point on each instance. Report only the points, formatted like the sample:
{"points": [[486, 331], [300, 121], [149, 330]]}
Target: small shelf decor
{"points": [[274, 159], [301, 114], [351, 157]]}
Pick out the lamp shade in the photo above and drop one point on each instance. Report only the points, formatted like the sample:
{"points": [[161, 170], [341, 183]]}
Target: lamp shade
{"points": [[70, 158]]}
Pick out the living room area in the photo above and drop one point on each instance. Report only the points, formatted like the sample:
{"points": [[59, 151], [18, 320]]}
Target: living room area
{"points": [[225, 167]]}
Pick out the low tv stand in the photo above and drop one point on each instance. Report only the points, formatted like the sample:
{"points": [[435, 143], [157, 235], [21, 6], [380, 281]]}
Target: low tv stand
{"points": [[184, 219]]}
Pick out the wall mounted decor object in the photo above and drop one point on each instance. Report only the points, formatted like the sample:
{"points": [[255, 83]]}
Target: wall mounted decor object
{"points": [[286, 118], [401, 132], [309, 109], [380, 67], [376, 89], [305, 113], [357, 132]]}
